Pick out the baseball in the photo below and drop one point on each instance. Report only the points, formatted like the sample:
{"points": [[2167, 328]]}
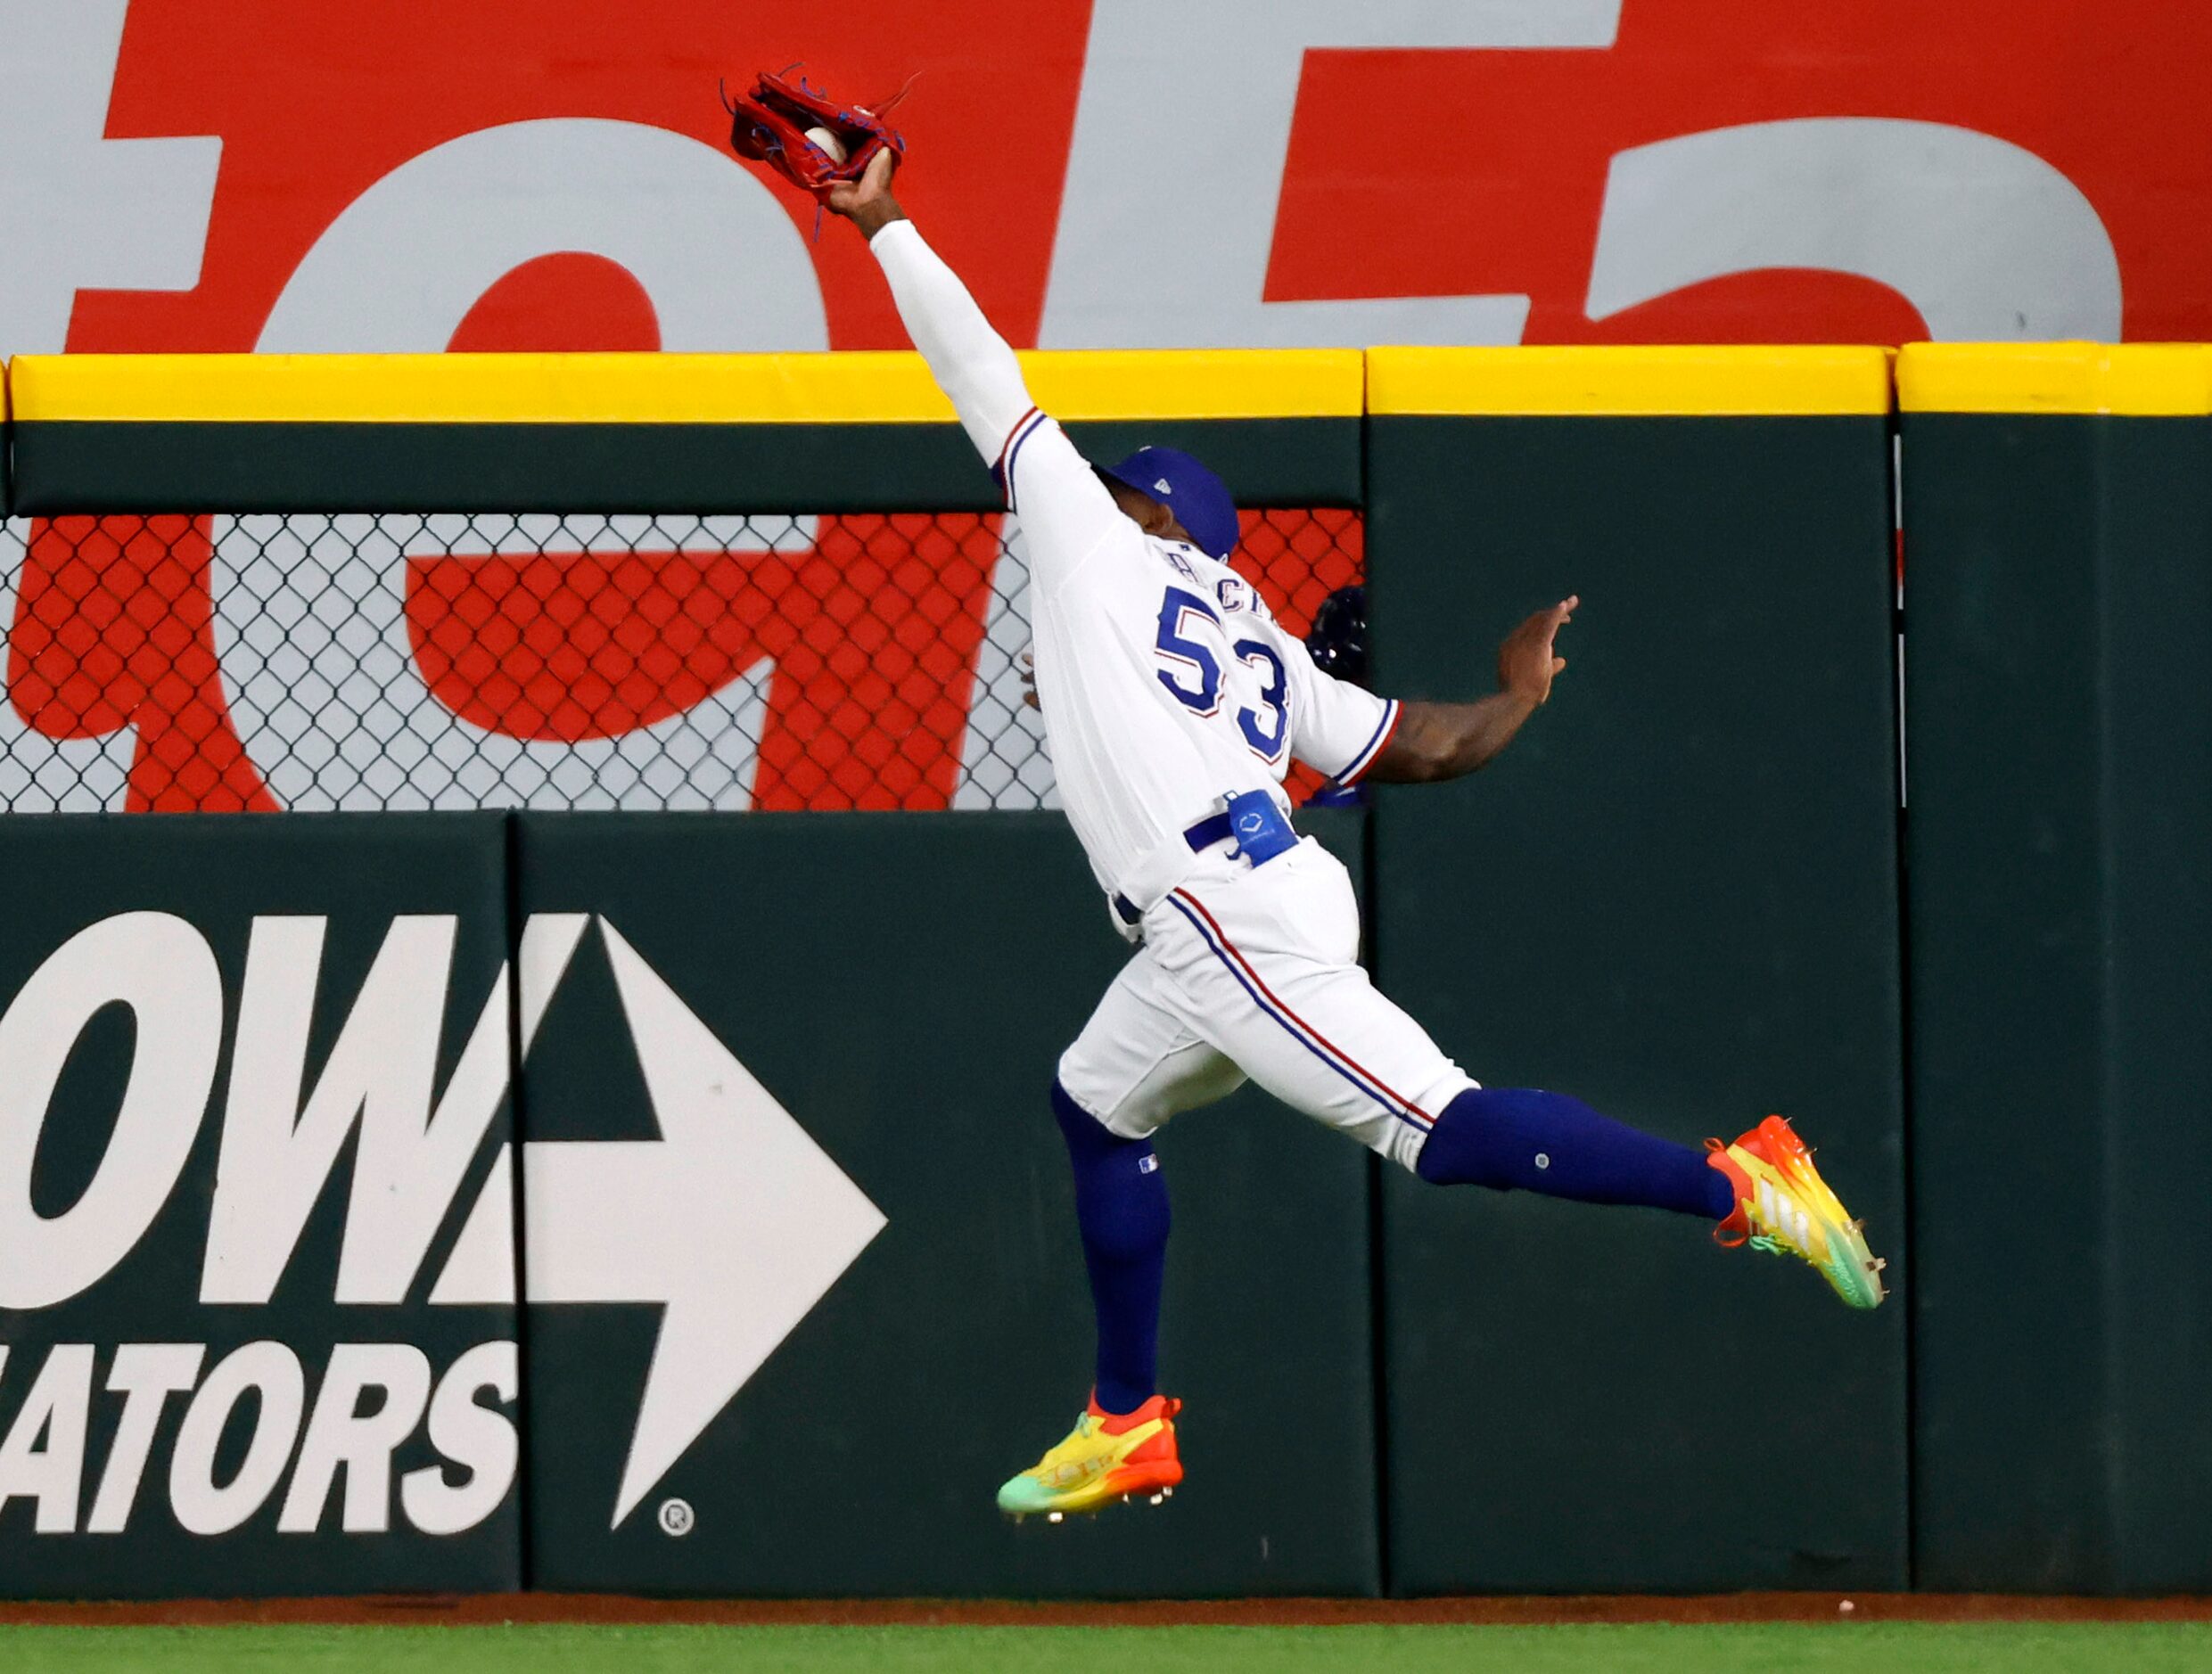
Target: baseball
{"points": [[828, 142]]}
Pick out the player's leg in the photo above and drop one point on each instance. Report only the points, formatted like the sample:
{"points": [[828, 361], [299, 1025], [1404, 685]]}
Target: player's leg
{"points": [[1135, 1064], [1762, 1190], [1122, 1211], [1524, 1138], [1264, 959]]}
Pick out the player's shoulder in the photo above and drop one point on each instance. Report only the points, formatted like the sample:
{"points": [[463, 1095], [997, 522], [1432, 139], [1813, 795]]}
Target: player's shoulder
{"points": [[1230, 592]]}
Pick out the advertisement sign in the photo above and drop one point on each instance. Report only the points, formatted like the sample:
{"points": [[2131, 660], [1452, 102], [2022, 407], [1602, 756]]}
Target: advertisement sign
{"points": [[240, 174], [253, 1107], [267, 1163]]}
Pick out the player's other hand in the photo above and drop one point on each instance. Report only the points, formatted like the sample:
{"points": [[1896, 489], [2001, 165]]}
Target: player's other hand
{"points": [[1527, 661], [1027, 663], [866, 202]]}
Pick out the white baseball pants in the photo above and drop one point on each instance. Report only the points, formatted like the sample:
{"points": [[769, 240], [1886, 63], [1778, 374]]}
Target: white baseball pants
{"points": [[1252, 972]]}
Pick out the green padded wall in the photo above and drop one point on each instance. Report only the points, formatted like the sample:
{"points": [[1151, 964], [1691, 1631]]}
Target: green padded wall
{"points": [[70, 466], [2060, 696], [1675, 896]]}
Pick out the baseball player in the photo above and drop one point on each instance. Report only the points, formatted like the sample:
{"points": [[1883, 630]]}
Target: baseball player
{"points": [[1174, 703]]}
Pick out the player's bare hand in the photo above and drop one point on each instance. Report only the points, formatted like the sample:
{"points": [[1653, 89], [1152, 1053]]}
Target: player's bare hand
{"points": [[1527, 660], [1027, 663], [866, 202]]}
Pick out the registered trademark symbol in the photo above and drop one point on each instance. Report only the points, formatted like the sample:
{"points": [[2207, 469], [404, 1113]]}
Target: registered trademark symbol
{"points": [[676, 1518]]}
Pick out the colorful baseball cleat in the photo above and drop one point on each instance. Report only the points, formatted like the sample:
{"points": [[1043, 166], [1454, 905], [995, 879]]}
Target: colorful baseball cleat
{"points": [[1106, 1457], [1783, 1205]]}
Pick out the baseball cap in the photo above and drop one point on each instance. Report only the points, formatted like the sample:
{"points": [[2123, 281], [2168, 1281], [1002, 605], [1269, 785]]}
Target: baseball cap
{"points": [[1198, 498]]}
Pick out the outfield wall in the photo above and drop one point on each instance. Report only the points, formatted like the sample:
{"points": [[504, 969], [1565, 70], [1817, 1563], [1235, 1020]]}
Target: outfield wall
{"points": [[753, 1105], [1682, 907], [2059, 511]]}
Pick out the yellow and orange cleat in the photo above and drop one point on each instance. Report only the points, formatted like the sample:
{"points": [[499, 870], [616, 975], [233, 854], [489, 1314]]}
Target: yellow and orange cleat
{"points": [[1783, 1205], [1106, 1457]]}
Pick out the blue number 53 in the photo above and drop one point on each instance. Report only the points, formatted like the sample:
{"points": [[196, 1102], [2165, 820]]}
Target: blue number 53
{"points": [[1193, 673]]}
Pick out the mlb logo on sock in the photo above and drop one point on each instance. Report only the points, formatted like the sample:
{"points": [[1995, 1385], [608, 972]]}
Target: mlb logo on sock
{"points": [[1148, 1165]]}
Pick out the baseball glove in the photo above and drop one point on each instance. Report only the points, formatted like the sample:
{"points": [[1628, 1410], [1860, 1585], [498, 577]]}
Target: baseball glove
{"points": [[772, 125]]}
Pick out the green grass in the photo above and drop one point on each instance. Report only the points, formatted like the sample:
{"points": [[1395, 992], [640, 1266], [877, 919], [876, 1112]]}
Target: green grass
{"points": [[1902, 1648]]}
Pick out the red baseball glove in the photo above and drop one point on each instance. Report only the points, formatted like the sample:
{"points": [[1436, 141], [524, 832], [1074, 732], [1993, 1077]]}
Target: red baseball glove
{"points": [[769, 125]]}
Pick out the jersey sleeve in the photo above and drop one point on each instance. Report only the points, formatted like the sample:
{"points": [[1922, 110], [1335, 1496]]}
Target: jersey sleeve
{"points": [[1335, 727], [1065, 511]]}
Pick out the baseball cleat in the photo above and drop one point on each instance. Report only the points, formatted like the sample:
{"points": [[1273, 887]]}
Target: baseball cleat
{"points": [[1782, 1205], [1106, 1456]]}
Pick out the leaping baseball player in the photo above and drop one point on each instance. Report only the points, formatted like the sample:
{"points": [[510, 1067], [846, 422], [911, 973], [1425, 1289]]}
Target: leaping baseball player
{"points": [[1173, 703]]}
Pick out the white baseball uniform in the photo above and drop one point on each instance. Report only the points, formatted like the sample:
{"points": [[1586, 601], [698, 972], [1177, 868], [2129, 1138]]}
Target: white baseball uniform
{"points": [[1167, 686]]}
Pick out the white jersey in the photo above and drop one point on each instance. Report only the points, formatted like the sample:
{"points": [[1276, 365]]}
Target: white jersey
{"points": [[1166, 684], [1167, 687]]}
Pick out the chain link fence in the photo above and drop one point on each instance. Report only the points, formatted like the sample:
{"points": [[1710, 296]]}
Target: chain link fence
{"points": [[183, 663]]}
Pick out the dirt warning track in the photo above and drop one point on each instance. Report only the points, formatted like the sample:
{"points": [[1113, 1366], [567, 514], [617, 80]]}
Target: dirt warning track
{"points": [[501, 1608]]}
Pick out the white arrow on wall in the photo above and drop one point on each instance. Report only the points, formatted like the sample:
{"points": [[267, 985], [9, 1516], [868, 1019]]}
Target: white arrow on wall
{"points": [[734, 1220]]}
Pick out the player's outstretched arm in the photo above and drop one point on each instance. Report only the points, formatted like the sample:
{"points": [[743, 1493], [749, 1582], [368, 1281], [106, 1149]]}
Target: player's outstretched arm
{"points": [[971, 362], [1066, 514], [1435, 741]]}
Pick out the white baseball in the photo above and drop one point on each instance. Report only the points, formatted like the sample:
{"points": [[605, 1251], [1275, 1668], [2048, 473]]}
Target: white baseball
{"points": [[828, 142]]}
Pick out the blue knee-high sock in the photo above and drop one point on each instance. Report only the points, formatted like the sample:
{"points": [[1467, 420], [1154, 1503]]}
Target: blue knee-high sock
{"points": [[1509, 1136], [1121, 1203]]}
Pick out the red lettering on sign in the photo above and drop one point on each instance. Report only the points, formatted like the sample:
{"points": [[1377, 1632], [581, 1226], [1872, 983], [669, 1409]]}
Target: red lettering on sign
{"points": [[113, 628], [872, 635], [1503, 173]]}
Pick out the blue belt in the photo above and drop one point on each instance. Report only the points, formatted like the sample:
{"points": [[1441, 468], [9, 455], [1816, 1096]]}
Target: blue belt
{"points": [[1261, 831]]}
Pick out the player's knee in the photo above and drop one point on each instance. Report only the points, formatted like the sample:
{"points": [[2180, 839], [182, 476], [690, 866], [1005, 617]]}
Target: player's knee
{"points": [[1086, 1134], [1065, 1109]]}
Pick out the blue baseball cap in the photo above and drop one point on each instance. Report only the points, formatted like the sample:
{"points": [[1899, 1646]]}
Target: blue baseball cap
{"points": [[1198, 498]]}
